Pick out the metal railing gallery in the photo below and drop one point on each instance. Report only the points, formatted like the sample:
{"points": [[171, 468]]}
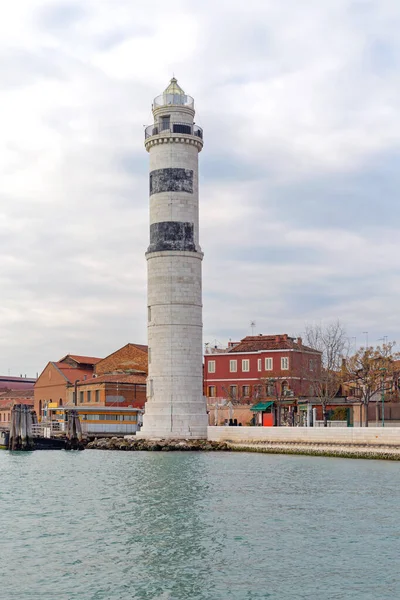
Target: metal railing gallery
{"points": [[181, 128]]}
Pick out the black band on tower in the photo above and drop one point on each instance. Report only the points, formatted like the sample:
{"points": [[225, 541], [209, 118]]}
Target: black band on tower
{"points": [[171, 235], [171, 180]]}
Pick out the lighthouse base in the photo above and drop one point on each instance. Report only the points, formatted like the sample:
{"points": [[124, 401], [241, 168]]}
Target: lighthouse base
{"points": [[166, 421]]}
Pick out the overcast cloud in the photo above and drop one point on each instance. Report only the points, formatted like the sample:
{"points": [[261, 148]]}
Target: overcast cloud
{"points": [[299, 174]]}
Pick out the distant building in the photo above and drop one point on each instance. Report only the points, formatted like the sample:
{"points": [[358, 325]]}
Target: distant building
{"points": [[263, 370], [120, 389], [16, 383], [7, 401], [117, 380], [51, 386]]}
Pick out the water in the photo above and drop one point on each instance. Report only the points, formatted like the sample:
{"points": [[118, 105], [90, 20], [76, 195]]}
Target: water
{"points": [[188, 526]]}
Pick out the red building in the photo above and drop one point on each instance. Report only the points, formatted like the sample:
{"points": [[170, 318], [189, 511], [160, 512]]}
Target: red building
{"points": [[276, 368]]}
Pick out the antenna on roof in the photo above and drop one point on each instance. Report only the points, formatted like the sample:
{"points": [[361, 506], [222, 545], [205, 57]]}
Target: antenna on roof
{"points": [[252, 325]]}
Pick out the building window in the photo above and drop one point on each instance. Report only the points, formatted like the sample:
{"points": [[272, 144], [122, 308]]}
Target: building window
{"points": [[165, 122], [259, 364], [211, 366], [313, 364], [233, 366], [89, 395], [268, 364], [245, 365], [233, 391], [284, 363], [81, 397], [246, 391], [211, 391], [97, 396]]}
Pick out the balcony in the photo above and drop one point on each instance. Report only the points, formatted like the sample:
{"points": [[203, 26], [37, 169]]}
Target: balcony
{"points": [[177, 99], [179, 128]]}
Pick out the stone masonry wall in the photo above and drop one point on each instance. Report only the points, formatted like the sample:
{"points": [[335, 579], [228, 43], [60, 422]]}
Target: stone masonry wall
{"points": [[318, 435]]}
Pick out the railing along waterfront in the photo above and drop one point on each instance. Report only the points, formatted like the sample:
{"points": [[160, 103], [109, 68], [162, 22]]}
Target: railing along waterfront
{"points": [[331, 424], [180, 128]]}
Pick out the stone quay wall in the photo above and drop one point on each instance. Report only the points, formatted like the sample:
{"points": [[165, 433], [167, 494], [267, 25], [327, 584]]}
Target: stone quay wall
{"points": [[345, 436]]}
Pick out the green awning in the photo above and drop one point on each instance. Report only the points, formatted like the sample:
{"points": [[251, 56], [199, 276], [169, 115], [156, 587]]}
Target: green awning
{"points": [[261, 406]]}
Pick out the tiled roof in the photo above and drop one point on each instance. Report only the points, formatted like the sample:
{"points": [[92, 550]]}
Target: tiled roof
{"points": [[72, 374], [83, 360], [141, 347], [115, 378], [17, 394], [255, 343], [9, 402]]}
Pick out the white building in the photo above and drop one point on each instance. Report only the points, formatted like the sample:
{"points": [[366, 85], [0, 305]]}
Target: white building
{"points": [[175, 406]]}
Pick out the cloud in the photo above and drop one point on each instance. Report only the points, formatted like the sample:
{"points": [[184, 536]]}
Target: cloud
{"points": [[299, 177]]}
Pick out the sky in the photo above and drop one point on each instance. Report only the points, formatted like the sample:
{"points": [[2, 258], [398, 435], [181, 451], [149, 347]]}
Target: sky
{"points": [[299, 175]]}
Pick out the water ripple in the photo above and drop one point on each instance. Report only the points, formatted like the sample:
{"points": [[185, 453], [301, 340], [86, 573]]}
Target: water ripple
{"points": [[201, 526]]}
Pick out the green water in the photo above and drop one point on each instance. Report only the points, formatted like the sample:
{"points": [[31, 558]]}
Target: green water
{"points": [[175, 526]]}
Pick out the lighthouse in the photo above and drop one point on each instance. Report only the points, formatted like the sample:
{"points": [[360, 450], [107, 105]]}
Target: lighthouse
{"points": [[175, 406]]}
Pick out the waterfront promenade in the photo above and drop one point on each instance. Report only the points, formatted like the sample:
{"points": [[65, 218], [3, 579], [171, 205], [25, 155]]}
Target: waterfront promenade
{"points": [[352, 442]]}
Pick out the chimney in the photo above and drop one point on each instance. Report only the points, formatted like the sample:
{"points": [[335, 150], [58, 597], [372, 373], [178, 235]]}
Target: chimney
{"points": [[277, 338], [299, 341]]}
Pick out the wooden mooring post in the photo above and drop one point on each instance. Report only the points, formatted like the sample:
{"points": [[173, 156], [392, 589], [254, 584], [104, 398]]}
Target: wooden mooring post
{"points": [[74, 431], [21, 437]]}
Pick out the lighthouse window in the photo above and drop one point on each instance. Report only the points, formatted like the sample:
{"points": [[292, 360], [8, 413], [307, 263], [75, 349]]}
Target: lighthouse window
{"points": [[165, 123], [182, 128]]}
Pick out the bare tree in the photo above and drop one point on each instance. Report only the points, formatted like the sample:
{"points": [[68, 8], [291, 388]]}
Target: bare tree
{"points": [[371, 372], [325, 380]]}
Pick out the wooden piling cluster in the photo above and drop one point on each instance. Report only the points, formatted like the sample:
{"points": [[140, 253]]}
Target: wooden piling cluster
{"points": [[21, 437], [73, 432]]}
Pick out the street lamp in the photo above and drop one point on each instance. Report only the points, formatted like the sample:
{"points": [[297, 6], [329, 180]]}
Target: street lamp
{"points": [[383, 396]]}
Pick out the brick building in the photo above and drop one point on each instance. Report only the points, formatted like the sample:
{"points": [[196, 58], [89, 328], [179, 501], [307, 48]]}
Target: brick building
{"points": [[7, 401], [119, 379], [110, 390], [131, 358], [51, 386], [268, 369]]}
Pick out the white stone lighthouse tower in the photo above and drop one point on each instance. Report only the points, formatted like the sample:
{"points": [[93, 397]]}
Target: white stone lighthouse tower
{"points": [[175, 406]]}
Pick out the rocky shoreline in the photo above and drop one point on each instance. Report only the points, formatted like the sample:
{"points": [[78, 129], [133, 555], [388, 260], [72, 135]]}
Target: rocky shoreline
{"points": [[307, 449], [132, 444]]}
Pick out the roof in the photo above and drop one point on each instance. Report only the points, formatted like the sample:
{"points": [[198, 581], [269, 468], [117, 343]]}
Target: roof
{"points": [[261, 406], [116, 378], [256, 343], [83, 360], [71, 374], [17, 394], [9, 402], [16, 383], [17, 379], [174, 88]]}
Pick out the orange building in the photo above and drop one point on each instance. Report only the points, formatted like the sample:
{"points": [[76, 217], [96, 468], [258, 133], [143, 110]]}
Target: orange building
{"points": [[131, 358], [51, 386], [117, 380], [110, 390]]}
